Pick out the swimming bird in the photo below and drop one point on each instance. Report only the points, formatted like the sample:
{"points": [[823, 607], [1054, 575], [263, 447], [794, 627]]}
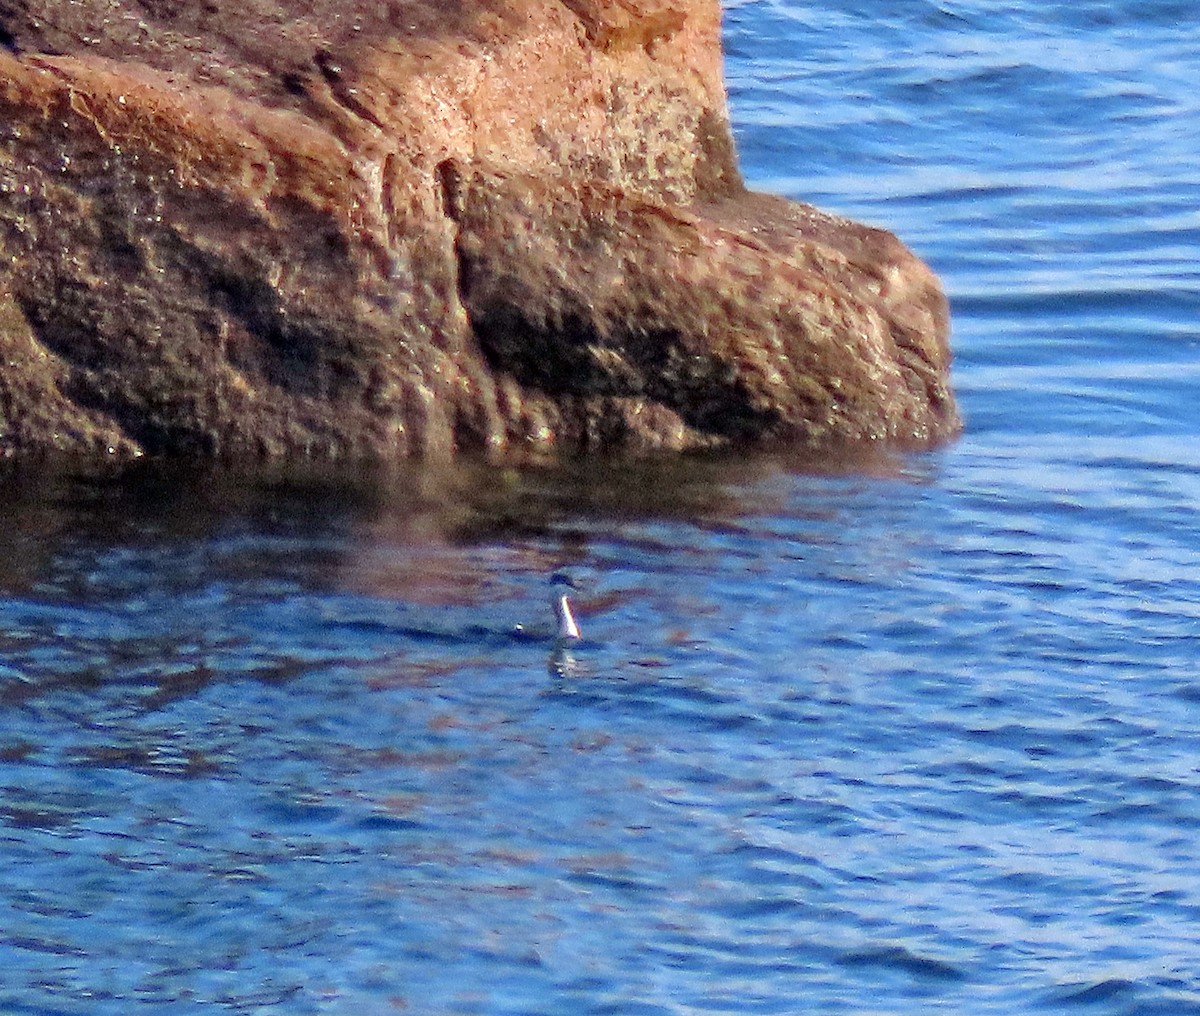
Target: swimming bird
{"points": [[568, 630]]}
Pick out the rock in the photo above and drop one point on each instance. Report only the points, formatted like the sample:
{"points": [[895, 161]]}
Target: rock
{"points": [[274, 228]]}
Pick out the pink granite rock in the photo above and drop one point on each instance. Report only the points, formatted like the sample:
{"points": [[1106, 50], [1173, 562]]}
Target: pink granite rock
{"points": [[409, 227]]}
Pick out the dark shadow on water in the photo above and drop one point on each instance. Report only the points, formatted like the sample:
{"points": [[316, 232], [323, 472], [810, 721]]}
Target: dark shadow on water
{"points": [[45, 511]]}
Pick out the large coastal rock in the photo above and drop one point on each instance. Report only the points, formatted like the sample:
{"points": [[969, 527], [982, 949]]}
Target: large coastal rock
{"points": [[418, 227]]}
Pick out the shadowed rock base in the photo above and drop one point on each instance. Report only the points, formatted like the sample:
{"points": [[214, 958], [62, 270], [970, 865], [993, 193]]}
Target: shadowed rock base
{"points": [[274, 229]]}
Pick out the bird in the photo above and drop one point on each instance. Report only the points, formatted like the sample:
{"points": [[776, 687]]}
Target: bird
{"points": [[568, 629]]}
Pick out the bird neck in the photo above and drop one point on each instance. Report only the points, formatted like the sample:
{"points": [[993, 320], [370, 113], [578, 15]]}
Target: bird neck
{"points": [[567, 628]]}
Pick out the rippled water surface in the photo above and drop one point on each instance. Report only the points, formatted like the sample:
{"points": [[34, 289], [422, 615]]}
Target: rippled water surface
{"points": [[901, 735]]}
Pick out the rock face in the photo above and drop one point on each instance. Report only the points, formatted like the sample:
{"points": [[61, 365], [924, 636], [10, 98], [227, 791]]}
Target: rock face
{"points": [[418, 227]]}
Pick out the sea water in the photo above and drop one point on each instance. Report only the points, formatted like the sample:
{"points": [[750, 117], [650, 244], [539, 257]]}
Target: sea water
{"points": [[893, 734]]}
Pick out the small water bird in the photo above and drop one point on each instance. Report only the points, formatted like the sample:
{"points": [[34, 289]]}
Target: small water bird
{"points": [[568, 630]]}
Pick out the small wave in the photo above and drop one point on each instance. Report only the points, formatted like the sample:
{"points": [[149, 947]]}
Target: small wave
{"points": [[902, 960], [1091, 994]]}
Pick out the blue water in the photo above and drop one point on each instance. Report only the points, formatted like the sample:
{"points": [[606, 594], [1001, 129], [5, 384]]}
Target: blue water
{"points": [[903, 734]]}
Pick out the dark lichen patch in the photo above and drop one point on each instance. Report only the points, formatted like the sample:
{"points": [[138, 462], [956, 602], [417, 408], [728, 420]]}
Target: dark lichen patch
{"points": [[8, 40], [573, 359]]}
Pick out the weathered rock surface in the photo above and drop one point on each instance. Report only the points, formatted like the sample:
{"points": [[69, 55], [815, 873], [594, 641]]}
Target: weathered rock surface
{"points": [[416, 227]]}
